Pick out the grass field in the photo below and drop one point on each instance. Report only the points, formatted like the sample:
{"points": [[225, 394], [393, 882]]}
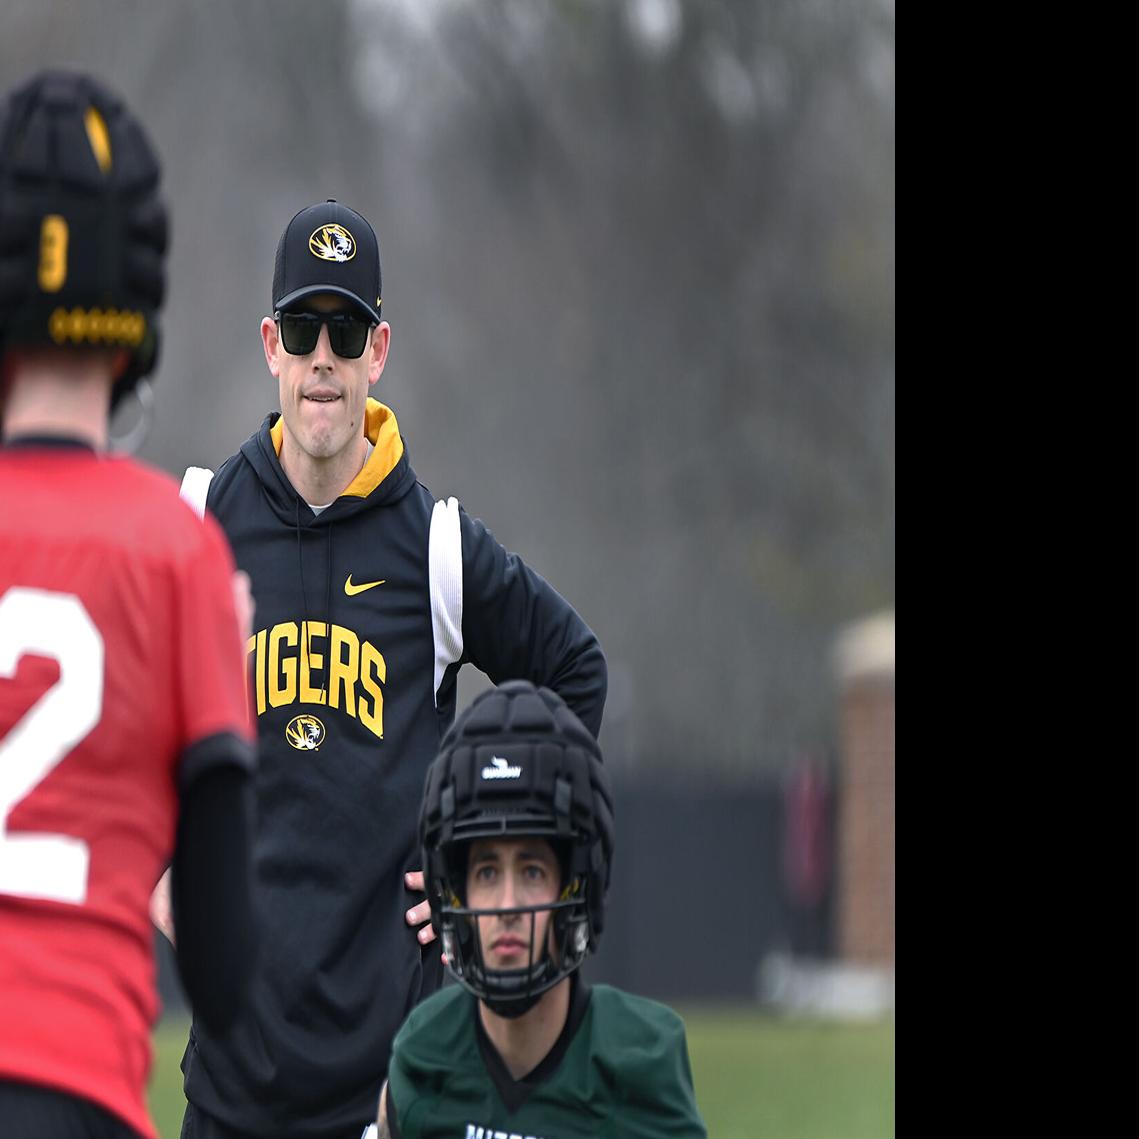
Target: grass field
{"points": [[760, 1077], [756, 1078]]}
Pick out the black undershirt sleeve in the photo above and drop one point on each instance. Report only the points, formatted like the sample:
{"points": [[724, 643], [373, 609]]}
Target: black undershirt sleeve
{"points": [[210, 890]]}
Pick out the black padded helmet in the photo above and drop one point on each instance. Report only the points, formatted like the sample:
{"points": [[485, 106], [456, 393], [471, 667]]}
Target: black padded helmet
{"points": [[518, 763], [83, 231]]}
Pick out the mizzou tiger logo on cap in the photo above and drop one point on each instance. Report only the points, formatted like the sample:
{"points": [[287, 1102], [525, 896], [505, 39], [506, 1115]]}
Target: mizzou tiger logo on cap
{"points": [[332, 243], [305, 733]]}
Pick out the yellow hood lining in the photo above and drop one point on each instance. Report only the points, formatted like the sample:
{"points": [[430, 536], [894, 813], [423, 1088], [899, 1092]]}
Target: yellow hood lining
{"points": [[382, 430]]}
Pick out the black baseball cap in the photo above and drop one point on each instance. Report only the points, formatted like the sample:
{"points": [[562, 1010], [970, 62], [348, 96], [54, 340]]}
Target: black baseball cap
{"points": [[328, 248]]}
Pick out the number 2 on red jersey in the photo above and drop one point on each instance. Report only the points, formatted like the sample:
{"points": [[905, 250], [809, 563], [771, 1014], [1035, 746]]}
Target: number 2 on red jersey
{"points": [[57, 626]]}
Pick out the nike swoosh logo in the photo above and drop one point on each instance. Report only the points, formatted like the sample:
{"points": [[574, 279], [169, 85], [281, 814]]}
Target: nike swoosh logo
{"points": [[352, 590]]}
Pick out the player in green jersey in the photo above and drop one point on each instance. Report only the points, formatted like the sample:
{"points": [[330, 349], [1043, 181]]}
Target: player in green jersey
{"points": [[517, 833]]}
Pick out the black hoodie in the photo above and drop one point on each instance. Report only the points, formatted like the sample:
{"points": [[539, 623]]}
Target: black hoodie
{"points": [[346, 731]]}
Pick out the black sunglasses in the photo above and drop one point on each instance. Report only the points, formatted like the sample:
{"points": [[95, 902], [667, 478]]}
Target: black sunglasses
{"points": [[347, 334]]}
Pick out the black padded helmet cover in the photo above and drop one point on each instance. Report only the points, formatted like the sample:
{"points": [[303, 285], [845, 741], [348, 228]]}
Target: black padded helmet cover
{"points": [[83, 231], [518, 762]]}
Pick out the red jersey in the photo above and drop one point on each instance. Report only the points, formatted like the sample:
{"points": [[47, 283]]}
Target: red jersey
{"points": [[120, 666]]}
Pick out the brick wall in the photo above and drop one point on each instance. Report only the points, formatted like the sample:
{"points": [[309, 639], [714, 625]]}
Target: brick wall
{"points": [[864, 659]]}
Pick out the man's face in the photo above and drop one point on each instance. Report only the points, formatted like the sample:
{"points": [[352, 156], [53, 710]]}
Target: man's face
{"points": [[502, 873], [323, 395]]}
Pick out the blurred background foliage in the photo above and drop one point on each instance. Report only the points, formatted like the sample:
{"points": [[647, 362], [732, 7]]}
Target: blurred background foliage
{"points": [[639, 265]]}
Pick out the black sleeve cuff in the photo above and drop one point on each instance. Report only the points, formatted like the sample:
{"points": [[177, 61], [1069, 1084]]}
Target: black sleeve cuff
{"points": [[219, 750]]}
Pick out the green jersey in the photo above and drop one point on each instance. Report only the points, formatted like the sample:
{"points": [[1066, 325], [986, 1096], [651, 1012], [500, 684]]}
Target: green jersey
{"points": [[619, 1069]]}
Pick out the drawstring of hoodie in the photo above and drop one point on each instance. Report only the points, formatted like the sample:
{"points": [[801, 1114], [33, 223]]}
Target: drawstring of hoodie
{"points": [[304, 601], [301, 568], [327, 621]]}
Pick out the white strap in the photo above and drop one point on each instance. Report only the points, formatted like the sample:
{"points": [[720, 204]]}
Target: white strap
{"points": [[195, 486], [445, 573]]}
